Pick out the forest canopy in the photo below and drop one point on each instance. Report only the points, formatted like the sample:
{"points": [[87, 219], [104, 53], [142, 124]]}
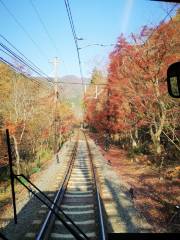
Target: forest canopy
{"points": [[134, 109], [27, 109]]}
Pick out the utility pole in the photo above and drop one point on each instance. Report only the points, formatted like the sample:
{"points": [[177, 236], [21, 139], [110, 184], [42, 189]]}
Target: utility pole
{"points": [[55, 62]]}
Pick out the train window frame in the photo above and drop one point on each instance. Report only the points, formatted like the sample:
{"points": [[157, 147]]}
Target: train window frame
{"points": [[173, 80]]}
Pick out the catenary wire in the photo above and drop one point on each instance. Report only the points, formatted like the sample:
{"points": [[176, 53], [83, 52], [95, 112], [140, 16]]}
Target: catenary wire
{"points": [[162, 21], [17, 70], [44, 26], [80, 83], [29, 61], [51, 39], [15, 56], [68, 9], [22, 28]]}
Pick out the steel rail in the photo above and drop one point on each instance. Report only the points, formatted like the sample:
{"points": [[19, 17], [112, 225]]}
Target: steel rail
{"points": [[47, 225], [102, 232], [54, 208], [74, 233]]}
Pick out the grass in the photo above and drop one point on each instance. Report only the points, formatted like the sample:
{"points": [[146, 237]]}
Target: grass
{"points": [[5, 195], [5, 187], [43, 155]]}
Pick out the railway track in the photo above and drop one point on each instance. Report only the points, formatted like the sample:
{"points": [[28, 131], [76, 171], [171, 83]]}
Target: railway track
{"points": [[78, 200]]}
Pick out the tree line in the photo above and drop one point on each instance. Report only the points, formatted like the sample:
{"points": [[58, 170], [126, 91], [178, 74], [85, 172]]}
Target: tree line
{"points": [[134, 108], [28, 110]]}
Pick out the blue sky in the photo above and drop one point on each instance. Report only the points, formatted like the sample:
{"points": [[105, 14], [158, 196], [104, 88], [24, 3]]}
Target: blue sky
{"points": [[96, 21]]}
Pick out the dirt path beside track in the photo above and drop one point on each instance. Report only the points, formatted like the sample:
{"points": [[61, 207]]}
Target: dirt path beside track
{"points": [[154, 197]]}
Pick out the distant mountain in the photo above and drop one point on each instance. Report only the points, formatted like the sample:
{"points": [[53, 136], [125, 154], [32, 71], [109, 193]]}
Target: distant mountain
{"points": [[71, 90], [70, 86], [73, 78]]}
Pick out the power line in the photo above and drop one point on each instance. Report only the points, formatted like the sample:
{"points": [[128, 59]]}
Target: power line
{"points": [[30, 62], [71, 20], [51, 39], [15, 56], [12, 54], [18, 58], [18, 70], [116, 44], [33, 79], [168, 14], [79, 83], [44, 26], [68, 9], [22, 28], [23, 59], [98, 44]]}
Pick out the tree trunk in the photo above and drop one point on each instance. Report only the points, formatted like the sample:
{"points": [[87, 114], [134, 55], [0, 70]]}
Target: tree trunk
{"points": [[156, 141], [134, 139], [17, 154], [158, 125], [24, 126]]}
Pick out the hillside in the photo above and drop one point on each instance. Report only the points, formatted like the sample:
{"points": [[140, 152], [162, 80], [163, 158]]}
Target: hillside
{"points": [[73, 92]]}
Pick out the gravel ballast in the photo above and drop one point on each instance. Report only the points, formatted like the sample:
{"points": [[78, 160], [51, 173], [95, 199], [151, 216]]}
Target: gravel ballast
{"points": [[29, 208], [121, 215]]}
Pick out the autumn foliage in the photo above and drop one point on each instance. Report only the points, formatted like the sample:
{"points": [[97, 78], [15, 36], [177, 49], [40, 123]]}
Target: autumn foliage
{"points": [[134, 107], [28, 110]]}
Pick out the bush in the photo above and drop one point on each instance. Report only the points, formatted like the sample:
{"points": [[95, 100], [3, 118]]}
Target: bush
{"points": [[4, 173], [93, 129], [43, 155], [141, 149]]}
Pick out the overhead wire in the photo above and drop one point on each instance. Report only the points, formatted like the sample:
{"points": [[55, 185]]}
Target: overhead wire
{"points": [[22, 59], [19, 58], [31, 65], [15, 56], [68, 9], [29, 61], [98, 44], [22, 28], [163, 20], [51, 40], [79, 83], [33, 79], [17, 70]]}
